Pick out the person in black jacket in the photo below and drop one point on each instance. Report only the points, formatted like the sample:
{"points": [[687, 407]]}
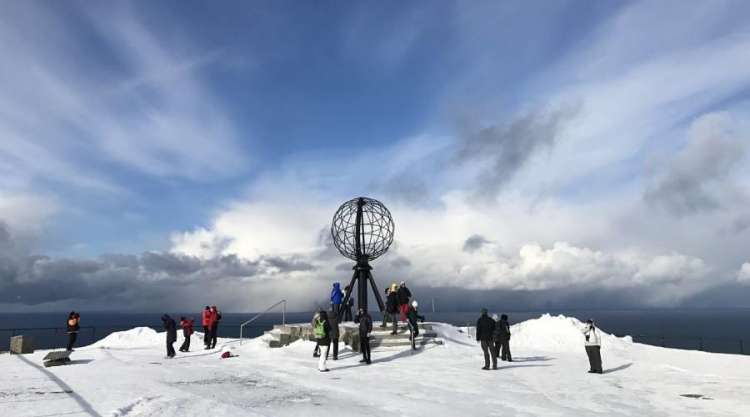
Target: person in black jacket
{"points": [[349, 304], [485, 331], [502, 338], [403, 300], [73, 324], [333, 322], [365, 328], [386, 314], [391, 306], [413, 316], [171, 327]]}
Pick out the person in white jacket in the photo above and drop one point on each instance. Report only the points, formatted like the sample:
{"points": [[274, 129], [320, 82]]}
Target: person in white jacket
{"points": [[593, 345]]}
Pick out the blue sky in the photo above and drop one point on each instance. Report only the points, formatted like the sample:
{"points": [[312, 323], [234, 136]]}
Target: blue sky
{"points": [[600, 144]]}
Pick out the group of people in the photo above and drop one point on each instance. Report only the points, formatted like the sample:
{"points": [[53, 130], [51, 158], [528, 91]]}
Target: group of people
{"points": [[325, 324], [210, 320], [494, 338], [396, 305], [493, 334], [325, 327]]}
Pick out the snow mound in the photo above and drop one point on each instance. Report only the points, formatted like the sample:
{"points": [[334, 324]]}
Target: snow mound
{"points": [[133, 338], [558, 334]]}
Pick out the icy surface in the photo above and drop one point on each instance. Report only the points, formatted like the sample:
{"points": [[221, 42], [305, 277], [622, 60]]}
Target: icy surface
{"points": [[126, 374]]}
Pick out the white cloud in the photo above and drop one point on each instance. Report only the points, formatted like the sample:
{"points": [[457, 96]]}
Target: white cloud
{"points": [[743, 275]]}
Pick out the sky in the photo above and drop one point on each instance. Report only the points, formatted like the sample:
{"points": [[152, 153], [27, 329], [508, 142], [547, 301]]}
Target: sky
{"points": [[533, 155]]}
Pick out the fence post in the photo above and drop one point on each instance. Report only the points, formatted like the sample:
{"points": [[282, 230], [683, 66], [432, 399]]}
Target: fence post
{"points": [[701, 343], [662, 341]]}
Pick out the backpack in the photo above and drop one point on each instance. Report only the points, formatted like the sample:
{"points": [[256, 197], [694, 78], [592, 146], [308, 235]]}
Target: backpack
{"points": [[319, 330]]}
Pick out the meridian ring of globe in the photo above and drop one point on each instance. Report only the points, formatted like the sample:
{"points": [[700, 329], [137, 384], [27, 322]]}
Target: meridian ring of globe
{"points": [[377, 229]]}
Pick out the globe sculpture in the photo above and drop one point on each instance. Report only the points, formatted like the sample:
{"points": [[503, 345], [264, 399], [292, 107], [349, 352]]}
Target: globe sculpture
{"points": [[362, 230]]}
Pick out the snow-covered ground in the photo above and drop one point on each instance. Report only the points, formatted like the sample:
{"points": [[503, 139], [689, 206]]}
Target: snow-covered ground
{"points": [[126, 374]]}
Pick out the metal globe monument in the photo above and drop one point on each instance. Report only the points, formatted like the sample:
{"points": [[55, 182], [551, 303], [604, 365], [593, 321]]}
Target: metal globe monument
{"points": [[362, 230]]}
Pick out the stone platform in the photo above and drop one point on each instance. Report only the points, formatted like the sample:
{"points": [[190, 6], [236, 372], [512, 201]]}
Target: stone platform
{"points": [[349, 334]]}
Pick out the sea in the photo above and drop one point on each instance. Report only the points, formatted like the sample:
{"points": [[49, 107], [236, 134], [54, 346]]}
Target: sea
{"points": [[711, 330]]}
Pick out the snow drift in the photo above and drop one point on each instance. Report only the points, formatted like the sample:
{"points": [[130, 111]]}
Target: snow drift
{"points": [[133, 338], [559, 334]]}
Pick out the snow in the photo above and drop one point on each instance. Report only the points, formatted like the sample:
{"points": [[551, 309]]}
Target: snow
{"points": [[126, 374]]}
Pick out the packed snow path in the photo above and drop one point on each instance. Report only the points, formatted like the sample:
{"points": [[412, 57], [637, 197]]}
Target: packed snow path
{"points": [[126, 375]]}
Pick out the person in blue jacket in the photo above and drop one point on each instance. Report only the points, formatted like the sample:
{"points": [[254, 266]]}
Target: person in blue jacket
{"points": [[337, 296]]}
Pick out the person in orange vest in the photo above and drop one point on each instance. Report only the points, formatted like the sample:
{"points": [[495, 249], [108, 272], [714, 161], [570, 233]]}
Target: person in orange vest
{"points": [[206, 321]]}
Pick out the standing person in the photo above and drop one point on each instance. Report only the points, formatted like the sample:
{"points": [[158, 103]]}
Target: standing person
{"points": [[593, 347], [322, 332], [73, 324], [337, 296], [412, 316], [349, 304], [403, 300], [313, 322], [171, 328], [496, 336], [502, 338], [485, 331], [206, 321], [333, 321], [187, 331], [386, 314], [365, 328], [215, 317], [391, 306]]}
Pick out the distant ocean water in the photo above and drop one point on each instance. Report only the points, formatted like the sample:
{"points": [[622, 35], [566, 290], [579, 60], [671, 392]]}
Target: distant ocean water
{"points": [[714, 330]]}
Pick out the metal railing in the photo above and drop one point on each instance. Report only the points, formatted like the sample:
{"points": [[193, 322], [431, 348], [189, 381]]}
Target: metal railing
{"points": [[283, 316], [52, 337]]}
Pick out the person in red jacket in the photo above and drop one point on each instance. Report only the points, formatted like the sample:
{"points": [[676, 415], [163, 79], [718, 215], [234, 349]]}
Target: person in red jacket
{"points": [[187, 331], [215, 317], [206, 327]]}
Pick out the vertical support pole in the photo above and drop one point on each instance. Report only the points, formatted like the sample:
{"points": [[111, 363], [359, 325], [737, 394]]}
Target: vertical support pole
{"points": [[283, 314], [348, 296], [433, 304], [378, 297], [362, 287], [701, 343]]}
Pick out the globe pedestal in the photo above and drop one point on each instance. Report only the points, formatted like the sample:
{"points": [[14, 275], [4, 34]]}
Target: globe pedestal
{"points": [[361, 277]]}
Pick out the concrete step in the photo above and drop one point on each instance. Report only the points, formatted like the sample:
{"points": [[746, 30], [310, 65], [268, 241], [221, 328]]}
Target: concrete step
{"points": [[406, 342], [404, 335]]}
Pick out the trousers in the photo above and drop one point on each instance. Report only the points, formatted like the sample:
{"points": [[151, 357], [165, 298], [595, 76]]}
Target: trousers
{"points": [[595, 358]]}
